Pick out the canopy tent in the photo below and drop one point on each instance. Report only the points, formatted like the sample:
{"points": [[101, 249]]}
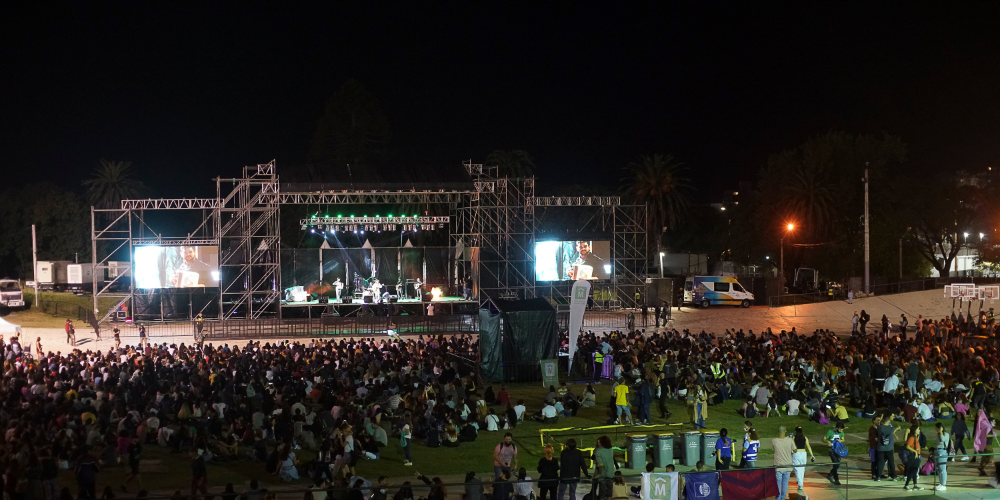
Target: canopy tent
{"points": [[8, 328], [514, 337]]}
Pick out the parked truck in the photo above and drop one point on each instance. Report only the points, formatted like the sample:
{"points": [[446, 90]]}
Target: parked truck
{"points": [[715, 290], [11, 296]]}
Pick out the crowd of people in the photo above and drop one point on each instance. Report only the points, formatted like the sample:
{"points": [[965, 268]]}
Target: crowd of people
{"points": [[90, 411], [921, 378], [348, 399]]}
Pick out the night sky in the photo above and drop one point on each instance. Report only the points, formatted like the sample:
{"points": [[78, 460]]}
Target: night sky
{"points": [[190, 93]]}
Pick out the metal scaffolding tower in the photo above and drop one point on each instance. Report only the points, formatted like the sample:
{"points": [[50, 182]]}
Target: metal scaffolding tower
{"points": [[249, 232], [497, 224]]}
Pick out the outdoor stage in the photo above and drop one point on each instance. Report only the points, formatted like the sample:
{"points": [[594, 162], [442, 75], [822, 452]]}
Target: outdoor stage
{"points": [[357, 307]]}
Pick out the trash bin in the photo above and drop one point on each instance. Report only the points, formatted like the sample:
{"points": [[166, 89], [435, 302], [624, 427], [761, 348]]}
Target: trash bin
{"points": [[708, 439], [664, 451], [692, 448], [635, 455]]}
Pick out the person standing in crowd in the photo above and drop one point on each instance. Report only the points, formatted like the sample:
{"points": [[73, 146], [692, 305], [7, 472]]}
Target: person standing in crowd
{"points": [[199, 474], [70, 333], [86, 477], [117, 335], [142, 335], [958, 432], [622, 411], [604, 471], [913, 457], [572, 467], [941, 457], [802, 448], [833, 436], [406, 437], [783, 447], [903, 323], [504, 456], [656, 315], [751, 446], [850, 296], [645, 314], [863, 322], [723, 450], [548, 474], [886, 445]]}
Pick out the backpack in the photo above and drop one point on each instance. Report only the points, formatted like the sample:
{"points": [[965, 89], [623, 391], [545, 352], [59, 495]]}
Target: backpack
{"points": [[927, 469], [884, 439], [839, 448]]}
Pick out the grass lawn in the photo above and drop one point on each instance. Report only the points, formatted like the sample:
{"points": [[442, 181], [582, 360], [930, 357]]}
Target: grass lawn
{"points": [[63, 305], [163, 471]]}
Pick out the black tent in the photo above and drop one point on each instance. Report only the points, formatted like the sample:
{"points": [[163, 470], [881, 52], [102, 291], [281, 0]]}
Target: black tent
{"points": [[513, 336]]}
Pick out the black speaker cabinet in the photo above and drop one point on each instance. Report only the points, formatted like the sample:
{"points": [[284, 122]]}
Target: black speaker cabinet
{"points": [[346, 300], [368, 299], [324, 300], [393, 299]]}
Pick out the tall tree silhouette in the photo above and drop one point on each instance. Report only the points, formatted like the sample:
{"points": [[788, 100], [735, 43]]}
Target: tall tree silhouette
{"points": [[512, 162], [657, 181], [353, 129], [111, 183]]}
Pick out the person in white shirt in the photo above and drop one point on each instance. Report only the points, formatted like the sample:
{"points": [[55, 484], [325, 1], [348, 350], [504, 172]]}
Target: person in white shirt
{"points": [[549, 413], [891, 384], [519, 409], [492, 421], [924, 411]]}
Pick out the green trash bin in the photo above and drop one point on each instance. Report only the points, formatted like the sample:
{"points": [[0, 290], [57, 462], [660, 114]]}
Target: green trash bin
{"points": [[635, 454], [708, 439], [692, 448], [664, 454]]}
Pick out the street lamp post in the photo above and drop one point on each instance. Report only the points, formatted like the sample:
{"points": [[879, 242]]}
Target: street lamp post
{"points": [[789, 229]]}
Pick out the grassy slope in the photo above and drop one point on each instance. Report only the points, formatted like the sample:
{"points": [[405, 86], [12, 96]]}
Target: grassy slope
{"points": [[36, 318], [165, 471]]}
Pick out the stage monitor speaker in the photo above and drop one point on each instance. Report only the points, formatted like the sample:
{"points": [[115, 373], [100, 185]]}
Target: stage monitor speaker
{"points": [[368, 299], [324, 300], [393, 299], [346, 300], [122, 315]]}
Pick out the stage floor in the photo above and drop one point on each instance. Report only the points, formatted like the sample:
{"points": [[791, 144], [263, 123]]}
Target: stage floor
{"points": [[442, 300]]}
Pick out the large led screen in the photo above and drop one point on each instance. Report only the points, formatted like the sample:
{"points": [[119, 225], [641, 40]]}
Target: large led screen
{"points": [[176, 267], [572, 260]]}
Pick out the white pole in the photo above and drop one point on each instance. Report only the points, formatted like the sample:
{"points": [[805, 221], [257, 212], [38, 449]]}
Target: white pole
{"points": [[867, 289], [34, 262]]}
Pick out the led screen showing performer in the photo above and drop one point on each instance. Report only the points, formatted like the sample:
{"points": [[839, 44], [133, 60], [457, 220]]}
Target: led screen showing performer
{"points": [[176, 266], [572, 260]]}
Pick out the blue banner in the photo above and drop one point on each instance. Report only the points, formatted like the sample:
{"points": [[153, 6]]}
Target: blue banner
{"points": [[702, 486]]}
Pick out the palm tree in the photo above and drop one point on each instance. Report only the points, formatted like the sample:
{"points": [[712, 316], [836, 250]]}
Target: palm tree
{"points": [[656, 182], [515, 163], [809, 194], [112, 182]]}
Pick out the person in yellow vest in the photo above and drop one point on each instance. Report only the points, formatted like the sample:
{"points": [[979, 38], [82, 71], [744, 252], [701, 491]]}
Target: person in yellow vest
{"points": [[717, 371], [598, 365]]}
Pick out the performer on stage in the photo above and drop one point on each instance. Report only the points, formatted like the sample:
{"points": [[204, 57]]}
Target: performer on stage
{"points": [[418, 288], [377, 289], [338, 286], [400, 288]]}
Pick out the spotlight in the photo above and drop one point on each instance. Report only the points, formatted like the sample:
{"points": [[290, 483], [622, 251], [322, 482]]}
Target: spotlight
{"points": [[313, 230]]}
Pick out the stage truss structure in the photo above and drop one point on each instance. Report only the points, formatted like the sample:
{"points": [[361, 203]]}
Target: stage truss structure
{"points": [[492, 228]]}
